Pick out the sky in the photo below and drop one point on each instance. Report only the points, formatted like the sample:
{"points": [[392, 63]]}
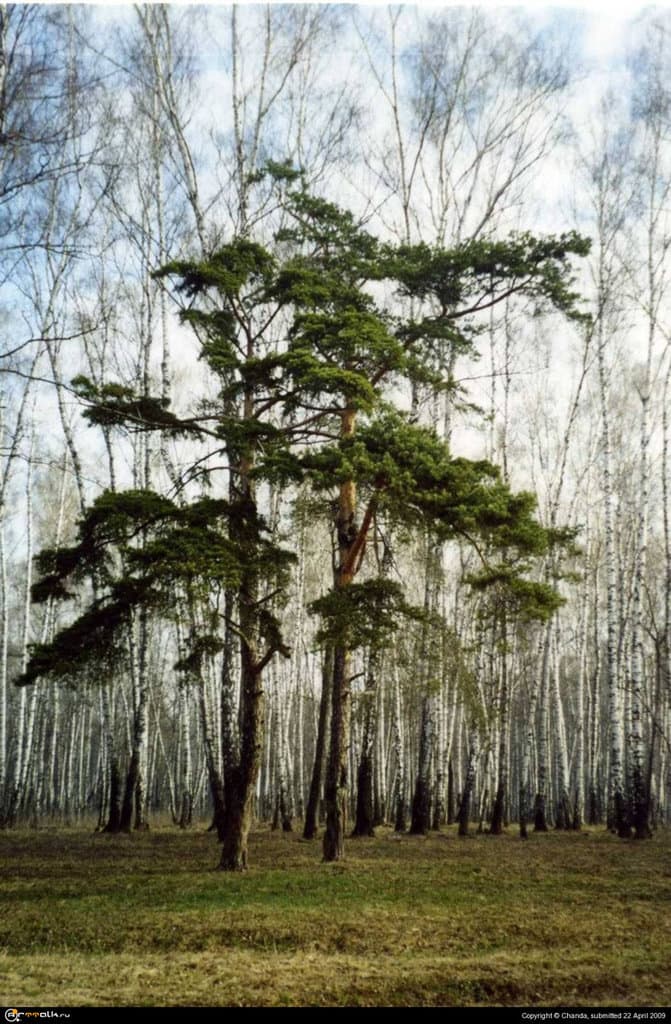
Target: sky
{"points": [[605, 29]]}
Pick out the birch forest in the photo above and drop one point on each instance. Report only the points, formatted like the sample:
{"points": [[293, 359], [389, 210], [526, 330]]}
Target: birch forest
{"points": [[335, 453]]}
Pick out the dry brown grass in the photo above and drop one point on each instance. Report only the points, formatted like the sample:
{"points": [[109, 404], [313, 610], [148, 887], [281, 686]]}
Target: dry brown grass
{"points": [[563, 919]]}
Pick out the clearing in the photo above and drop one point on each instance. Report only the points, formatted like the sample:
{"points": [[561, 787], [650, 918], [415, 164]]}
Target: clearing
{"points": [[144, 919]]}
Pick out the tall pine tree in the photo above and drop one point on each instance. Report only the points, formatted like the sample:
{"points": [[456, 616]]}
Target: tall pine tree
{"points": [[306, 357]]}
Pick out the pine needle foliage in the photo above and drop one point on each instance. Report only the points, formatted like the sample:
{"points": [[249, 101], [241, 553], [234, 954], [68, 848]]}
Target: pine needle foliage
{"points": [[296, 339]]}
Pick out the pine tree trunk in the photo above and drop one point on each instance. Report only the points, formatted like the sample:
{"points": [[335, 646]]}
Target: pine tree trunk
{"points": [[240, 792], [241, 781], [364, 822], [230, 748], [126, 820], [337, 770], [421, 801], [114, 817], [312, 810], [336, 789], [364, 819], [297, 677]]}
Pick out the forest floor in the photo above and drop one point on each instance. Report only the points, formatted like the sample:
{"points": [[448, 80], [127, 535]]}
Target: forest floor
{"points": [[563, 919]]}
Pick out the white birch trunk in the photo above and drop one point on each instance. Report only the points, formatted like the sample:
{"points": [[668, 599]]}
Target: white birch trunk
{"points": [[616, 798]]}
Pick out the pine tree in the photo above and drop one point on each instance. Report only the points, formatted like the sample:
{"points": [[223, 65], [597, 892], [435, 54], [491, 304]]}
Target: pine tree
{"points": [[344, 351], [303, 355]]}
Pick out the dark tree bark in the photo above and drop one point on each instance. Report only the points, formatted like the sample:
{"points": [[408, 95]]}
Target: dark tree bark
{"points": [[563, 814], [126, 820], [186, 815], [524, 808], [464, 813], [285, 811], [420, 821], [451, 795], [364, 823], [540, 821], [337, 769], [438, 804], [241, 779], [240, 793], [350, 545], [400, 817], [218, 800], [496, 827], [114, 819], [497, 824], [312, 810], [421, 808], [230, 752]]}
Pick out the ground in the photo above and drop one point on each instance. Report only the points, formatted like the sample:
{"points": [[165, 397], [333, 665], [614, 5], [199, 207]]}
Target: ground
{"points": [[563, 919]]}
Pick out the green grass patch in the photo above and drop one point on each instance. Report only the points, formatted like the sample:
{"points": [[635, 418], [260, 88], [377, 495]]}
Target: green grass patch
{"points": [[146, 920]]}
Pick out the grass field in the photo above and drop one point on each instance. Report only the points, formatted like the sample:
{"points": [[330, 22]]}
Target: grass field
{"points": [[144, 920]]}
